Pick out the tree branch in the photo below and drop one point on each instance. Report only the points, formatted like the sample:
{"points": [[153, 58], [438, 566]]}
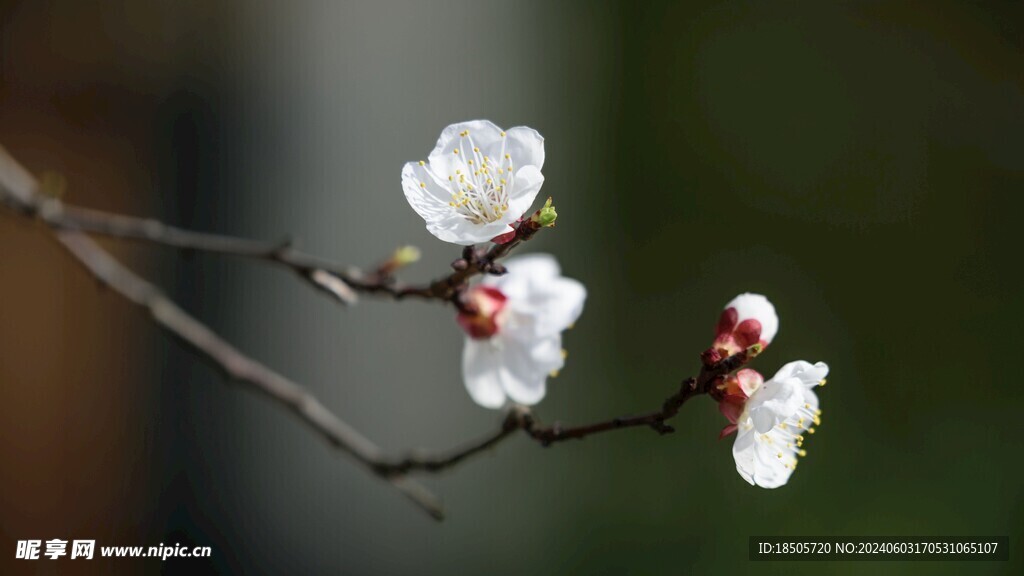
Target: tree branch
{"points": [[514, 420], [338, 281], [710, 374], [520, 418], [19, 188]]}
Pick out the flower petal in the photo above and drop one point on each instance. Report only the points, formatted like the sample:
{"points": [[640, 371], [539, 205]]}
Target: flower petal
{"points": [[458, 230], [427, 197], [445, 161], [811, 400], [528, 363], [543, 302], [558, 306], [774, 403], [749, 380], [524, 191], [763, 459], [483, 133], [730, 411], [772, 465], [481, 370], [810, 375], [532, 267], [525, 146], [743, 454]]}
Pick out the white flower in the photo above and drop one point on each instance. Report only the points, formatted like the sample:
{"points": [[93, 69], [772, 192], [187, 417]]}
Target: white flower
{"points": [[514, 327], [747, 320], [772, 423], [478, 180]]}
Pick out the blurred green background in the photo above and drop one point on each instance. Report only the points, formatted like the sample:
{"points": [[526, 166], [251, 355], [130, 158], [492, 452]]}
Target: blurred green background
{"points": [[859, 163]]}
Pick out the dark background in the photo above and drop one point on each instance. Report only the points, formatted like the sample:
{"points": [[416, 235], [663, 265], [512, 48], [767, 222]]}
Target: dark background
{"points": [[860, 163]]}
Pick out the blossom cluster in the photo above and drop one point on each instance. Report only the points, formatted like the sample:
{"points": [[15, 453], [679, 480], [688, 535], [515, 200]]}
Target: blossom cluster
{"points": [[770, 417], [476, 186]]}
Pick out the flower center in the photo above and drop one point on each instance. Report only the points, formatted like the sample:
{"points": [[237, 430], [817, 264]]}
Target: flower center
{"points": [[480, 184]]}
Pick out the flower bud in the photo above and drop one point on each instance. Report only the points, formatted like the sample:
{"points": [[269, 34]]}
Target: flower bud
{"points": [[401, 257], [406, 255], [482, 312], [747, 320], [546, 216]]}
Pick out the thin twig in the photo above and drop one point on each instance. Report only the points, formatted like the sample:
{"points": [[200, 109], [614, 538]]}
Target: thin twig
{"points": [[18, 187], [710, 374], [338, 281], [520, 418], [512, 422]]}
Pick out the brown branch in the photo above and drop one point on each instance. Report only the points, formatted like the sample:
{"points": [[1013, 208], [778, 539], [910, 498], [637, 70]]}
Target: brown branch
{"points": [[513, 421], [520, 418], [338, 281], [477, 261], [710, 374], [19, 188]]}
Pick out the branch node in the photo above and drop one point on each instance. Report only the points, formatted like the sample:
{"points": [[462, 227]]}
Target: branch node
{"points": [[710, 357]]}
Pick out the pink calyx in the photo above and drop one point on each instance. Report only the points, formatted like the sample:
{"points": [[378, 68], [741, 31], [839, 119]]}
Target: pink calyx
{"points": [[482, 312]]}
